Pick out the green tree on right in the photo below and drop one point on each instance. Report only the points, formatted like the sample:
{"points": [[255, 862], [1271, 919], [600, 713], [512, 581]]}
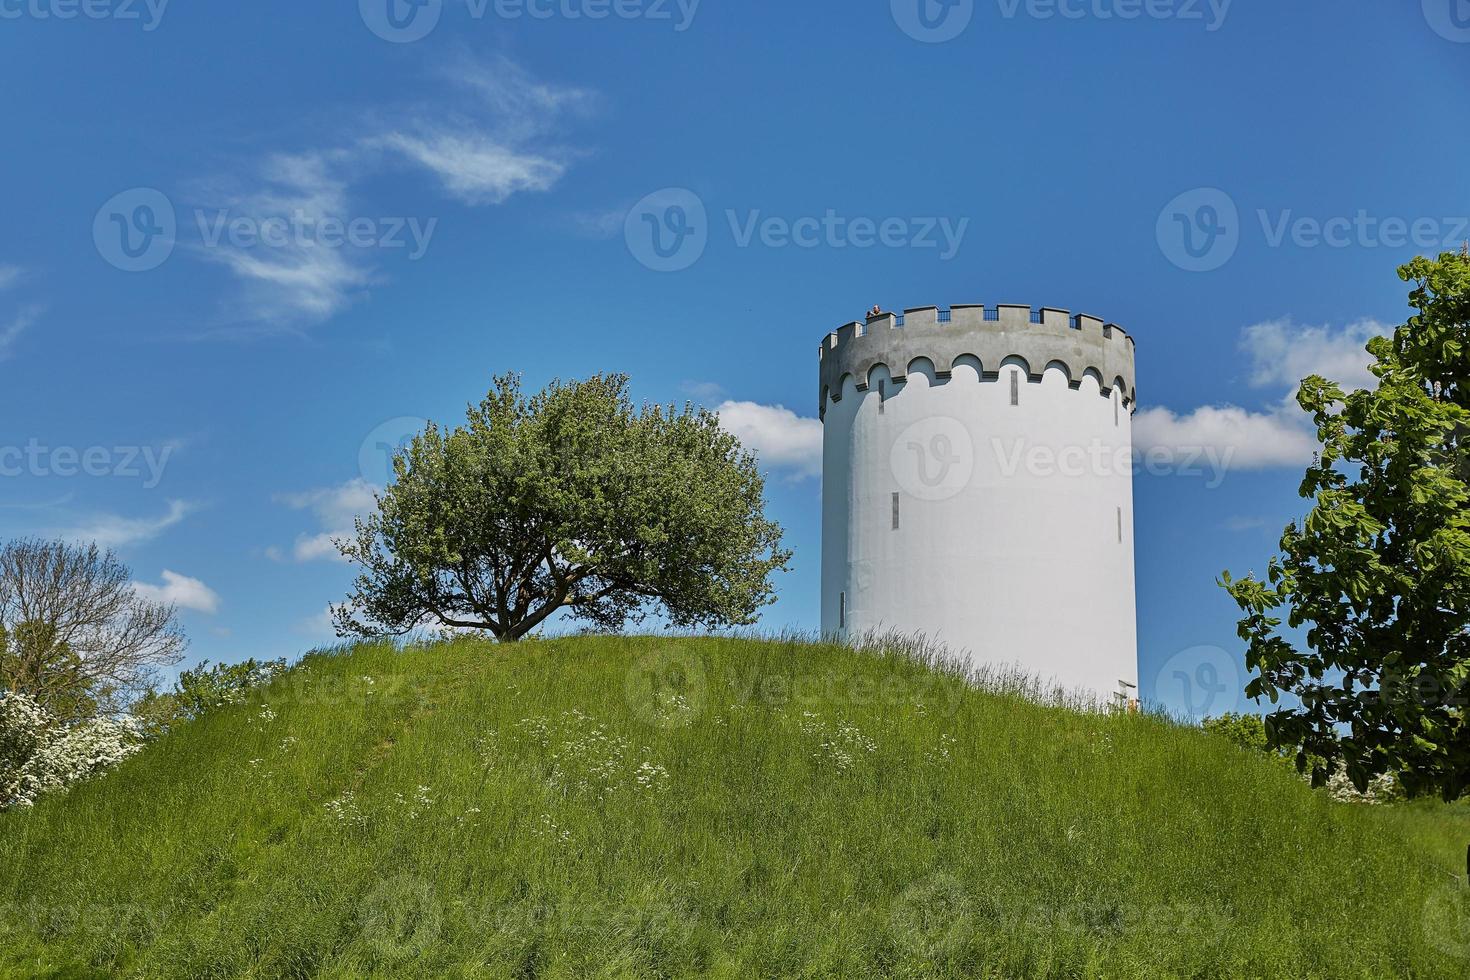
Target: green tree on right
{"points": [[1378, 573]]}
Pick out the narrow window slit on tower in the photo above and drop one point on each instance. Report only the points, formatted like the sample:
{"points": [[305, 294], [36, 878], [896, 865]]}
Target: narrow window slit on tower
{"points": [[1120, 525], [1115, 410], [882, 394], [842, 610], [895, 511], [1015, 387]]}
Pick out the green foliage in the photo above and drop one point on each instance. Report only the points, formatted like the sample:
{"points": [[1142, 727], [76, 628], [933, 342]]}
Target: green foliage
{"points": [[646, 807], [1379, 571], [201, 690], [1246, 731], [568, 500], [35, 661]]}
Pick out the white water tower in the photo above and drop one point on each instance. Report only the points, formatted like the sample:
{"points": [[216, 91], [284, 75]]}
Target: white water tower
{"points": [[978, 488]]}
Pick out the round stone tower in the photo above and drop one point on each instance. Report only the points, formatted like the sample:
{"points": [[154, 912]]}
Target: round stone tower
{"points": [[977, 487]]}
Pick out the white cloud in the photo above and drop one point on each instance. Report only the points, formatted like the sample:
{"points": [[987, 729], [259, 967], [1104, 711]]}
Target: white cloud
{"points": [[318, 627], [1228, 433], [181, 591], [497, 145], [514, 98], [1281, 354], [476, 168], [703, 391], [318, 547], [11, 330], [297, 277], [334, 508], [781, 438], [483, 146], [115, 531], [598, 225]]}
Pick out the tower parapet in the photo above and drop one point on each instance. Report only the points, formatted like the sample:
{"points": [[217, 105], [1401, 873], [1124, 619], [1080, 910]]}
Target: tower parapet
{"points": [[1082, 344]]}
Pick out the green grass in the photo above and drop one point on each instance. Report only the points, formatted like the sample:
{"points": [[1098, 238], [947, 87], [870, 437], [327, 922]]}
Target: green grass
{"points": [[802, 810]]}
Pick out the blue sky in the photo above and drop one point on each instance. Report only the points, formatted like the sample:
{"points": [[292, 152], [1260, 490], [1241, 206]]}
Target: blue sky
{"points": [[249, 241]]}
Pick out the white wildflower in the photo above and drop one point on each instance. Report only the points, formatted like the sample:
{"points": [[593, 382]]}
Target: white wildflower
{"points": [[941, 753], [651, 776], [550, 830], [344, 808], [842, 746]]}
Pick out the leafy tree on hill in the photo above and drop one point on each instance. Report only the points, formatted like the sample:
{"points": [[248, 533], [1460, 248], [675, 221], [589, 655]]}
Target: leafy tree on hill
{"points": [[1379, 571], [567, 500]]}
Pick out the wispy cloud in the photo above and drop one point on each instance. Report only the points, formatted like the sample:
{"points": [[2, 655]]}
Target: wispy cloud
{"points": [[777, 435], [299, 277], [180, 591], [476, 168], [318, 627], [18, 324], [116, 531], [704, 391], [1281, 353], [334, 509], [598, 225], [489, 137]]}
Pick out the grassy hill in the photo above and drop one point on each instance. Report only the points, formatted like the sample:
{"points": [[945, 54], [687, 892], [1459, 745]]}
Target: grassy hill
{"points": [[557, 810]]}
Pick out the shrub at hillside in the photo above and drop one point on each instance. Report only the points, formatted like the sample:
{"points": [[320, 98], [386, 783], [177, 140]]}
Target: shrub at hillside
{"points": [[39, 754], [569, 500], [1379, 572], [201, 690], [1249, 733]]}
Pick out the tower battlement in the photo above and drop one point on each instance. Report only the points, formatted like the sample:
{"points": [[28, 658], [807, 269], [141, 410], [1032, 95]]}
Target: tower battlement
{"points": [[1081, 344]]}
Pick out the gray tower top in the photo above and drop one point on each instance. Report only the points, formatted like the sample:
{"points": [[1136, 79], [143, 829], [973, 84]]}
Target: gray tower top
{"points": [[1081, 344]]}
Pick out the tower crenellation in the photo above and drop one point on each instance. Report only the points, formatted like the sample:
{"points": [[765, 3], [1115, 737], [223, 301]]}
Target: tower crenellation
{"points": [[991, 334]]}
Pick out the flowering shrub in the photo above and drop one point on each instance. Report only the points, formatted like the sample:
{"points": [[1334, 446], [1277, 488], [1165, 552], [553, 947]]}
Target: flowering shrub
{"points": [[1381, 789], [39, 755]]}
